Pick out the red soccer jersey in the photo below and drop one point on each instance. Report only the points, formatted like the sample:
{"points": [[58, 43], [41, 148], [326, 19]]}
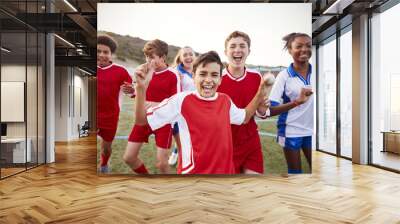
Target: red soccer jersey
{"points": [[163, 84], [109, 81], [204, 129], [241, 90]]}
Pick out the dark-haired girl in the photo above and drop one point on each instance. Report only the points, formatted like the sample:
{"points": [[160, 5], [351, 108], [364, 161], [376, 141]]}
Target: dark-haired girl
{"points": [[291, 98]]}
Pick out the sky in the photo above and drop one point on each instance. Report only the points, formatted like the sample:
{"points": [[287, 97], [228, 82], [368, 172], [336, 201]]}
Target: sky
{"points": [[205, 26]]}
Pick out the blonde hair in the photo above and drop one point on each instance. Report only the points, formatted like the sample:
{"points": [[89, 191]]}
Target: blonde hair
{"points": [[177, 60]]}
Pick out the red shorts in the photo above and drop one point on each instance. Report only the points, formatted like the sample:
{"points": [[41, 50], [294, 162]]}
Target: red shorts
{"points": [[249, 156], [107, 134], [163, 135]]}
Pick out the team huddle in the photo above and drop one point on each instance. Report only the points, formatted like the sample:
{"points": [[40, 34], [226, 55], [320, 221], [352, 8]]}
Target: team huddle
{"points": [[207, 108]]}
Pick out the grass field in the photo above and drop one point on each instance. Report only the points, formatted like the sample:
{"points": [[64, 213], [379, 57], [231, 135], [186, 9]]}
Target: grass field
{"points": [[274, 159]]}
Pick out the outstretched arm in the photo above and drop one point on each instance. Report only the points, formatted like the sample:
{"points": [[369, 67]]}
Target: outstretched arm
{"points": [[304, 96]]}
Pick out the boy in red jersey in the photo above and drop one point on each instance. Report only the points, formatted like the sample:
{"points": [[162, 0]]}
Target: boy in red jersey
{"points": [[110, 78], [241, 84], [164, 83], [204, 117]]}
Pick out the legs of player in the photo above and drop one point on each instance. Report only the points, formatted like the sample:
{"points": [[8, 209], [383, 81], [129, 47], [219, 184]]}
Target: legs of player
{"points": [[131, 158], [173, 158], [307, 154], [162, 160], [248, 157], [293, 160], [105, 155]]}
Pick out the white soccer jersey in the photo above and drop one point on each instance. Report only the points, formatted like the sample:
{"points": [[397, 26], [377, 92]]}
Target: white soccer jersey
{"points": [[299, 121], [187, 83], [186, 79], [204, 129]]}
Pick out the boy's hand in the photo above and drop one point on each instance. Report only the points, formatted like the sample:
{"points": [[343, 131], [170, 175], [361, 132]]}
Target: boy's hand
{"points": [[263, 107], [266, 84], [127, 88], [269, 80], [304, 95], [143, 75]]}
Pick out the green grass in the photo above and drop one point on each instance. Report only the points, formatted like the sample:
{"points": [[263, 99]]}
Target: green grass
{"points": [[267, 125], [274, 159]]}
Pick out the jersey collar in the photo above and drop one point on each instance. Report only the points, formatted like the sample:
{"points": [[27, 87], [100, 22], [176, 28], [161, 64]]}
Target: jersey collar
{"points": [[226, 72], [107, 67], [182, 70], [293, 73], [156, 73], [197, 94]]}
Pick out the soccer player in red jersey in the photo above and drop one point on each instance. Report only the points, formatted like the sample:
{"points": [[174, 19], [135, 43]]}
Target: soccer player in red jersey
{"points": [[204, 118], [164, 83], [241, 85], [110, 78]]}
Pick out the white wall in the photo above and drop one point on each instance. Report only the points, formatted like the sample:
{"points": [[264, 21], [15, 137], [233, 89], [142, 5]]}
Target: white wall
{"points": [[71, 93], [61, 103]]}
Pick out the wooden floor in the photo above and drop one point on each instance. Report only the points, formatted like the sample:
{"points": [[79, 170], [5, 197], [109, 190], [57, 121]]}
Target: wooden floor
{"points": [[70, 191], [387, 159]]}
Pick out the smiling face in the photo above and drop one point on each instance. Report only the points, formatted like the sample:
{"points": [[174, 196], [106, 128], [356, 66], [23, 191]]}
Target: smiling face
{"points": [[237, 51], [207, 78], [187, 57], [103, 55], [300, 49]]}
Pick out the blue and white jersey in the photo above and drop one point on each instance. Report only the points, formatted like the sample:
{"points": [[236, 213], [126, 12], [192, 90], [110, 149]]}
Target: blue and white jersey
{"points": [[186, 79], [299, 121]]}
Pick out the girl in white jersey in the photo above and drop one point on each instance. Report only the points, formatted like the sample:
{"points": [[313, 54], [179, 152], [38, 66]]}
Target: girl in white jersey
{"points": [[291, 98], [183, 63]]}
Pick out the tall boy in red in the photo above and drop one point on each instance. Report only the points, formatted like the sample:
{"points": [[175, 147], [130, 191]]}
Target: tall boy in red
{"points": [[241, 84], [110, 78], [163, 84]]}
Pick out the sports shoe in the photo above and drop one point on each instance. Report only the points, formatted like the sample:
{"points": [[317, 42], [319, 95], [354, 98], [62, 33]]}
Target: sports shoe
{"points": [[104, 169], [173, 158]]}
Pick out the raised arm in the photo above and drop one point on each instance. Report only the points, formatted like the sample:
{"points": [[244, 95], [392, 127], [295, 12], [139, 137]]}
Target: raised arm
{"points": [[255, 102], [263, 107], [143, 75]]}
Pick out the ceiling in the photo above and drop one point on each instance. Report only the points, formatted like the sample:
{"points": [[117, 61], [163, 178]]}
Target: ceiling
{"points": [[76, 22]]}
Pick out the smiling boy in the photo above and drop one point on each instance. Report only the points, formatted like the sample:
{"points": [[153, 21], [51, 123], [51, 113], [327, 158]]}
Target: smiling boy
{"points": [[204, 118], [241, 84], [110, 78]]}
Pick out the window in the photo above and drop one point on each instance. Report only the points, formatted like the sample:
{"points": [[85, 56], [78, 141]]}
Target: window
{"points": [[385, 88], [327, 96], [346, 94]]}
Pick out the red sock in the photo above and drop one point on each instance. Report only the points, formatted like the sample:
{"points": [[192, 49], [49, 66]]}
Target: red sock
{"points": [[104, 159], [141, 169]]}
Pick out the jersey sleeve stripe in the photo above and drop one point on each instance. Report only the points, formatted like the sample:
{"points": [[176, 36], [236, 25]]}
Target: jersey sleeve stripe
{"points": [[151, 110], [189, 167], [274, 103]]}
